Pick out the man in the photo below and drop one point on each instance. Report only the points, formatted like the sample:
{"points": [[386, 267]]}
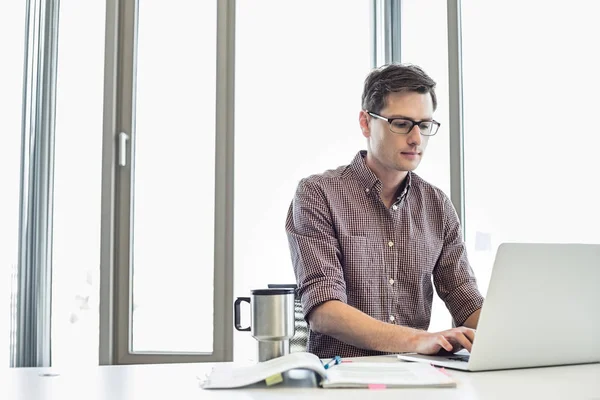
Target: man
{"points": [[367, 238]]}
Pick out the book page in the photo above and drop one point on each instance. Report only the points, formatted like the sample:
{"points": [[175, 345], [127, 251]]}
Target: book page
{"points": [[232, 376], [400, 374]]}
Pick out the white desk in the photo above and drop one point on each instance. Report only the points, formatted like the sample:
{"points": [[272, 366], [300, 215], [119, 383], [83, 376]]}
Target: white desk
{"points": [[179, 382]]}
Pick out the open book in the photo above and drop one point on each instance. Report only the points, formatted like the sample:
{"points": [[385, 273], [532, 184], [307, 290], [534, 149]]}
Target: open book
{"points": [[345, 375]]}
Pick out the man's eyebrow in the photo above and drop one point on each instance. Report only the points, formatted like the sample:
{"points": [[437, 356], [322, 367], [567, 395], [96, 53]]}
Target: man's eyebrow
{"points": [[412, 119]]}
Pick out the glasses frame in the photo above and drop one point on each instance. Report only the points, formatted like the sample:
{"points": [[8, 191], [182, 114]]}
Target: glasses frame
{"points": [[412, 121]]}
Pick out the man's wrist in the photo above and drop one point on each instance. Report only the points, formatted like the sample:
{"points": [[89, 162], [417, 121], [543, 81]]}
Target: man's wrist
{"points": [[414, 338]]}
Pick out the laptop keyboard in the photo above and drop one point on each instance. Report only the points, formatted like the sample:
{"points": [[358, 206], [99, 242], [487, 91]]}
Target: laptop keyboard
{"points": [[464, 358]]}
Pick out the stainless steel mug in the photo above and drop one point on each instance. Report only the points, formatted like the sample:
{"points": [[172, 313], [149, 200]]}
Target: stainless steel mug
{"points": [[271, 322]]}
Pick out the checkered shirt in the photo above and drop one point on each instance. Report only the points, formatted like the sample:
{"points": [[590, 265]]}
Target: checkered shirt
{"points": [[347, 245]]}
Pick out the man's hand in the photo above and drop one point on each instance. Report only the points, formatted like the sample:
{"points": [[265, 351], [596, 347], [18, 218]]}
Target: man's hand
{"points": [[452, 340]]}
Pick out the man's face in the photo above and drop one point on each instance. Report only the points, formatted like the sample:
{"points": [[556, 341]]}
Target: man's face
{"points": [[393, 151]]}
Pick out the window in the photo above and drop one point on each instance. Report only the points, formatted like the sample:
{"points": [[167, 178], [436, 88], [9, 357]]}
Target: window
{"points": [[298, 97], [531, 137], [174, 178], [12, 25], [166, 230], [428, 48], [77, 184]]}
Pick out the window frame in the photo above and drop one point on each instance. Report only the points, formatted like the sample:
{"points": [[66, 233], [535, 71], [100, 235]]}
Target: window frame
{"points": [[117, 191]]}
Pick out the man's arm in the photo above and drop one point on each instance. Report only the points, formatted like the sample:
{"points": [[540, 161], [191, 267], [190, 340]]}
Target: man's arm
{"points": [[349, 325], [473, 320], [453, 277]]}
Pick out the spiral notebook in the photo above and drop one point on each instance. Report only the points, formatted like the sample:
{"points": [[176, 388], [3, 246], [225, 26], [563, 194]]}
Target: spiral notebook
{"points": [[360, 374]]}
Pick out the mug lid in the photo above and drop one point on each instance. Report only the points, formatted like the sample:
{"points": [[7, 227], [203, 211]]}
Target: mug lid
{"points": [[272, 291]]}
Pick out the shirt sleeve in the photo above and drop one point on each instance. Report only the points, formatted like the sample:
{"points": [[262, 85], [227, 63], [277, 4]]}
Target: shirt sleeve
{"points": [[453, 277], [314, 248]]}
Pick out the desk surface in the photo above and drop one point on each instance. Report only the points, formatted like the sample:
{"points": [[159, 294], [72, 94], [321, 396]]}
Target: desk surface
{"points": [[180, 382]]}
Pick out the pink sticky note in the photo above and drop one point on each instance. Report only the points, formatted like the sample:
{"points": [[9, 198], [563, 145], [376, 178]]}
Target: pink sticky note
{"points": [[376, 386]]}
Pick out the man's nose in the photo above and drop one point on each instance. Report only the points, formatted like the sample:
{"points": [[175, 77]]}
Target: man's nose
{"points": [[414, 136]]}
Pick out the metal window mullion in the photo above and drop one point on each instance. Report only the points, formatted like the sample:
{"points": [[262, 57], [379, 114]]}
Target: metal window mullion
{"points": [[378, 56], [107, 339], [381, 37], [457, 185], [50, 34], [34, 276], [124, 175], [224, 183], [394, 15], [387, 42]]}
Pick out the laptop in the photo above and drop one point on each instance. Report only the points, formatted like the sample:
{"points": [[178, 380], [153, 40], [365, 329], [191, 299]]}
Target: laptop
{"points": [[542, 308]]}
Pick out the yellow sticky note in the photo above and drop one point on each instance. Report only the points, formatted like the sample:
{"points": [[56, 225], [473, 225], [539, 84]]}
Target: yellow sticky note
{"points": [[274, 379]]}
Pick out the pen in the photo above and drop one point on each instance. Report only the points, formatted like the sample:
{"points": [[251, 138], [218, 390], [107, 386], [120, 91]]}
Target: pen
{"points": [[334, 361]]}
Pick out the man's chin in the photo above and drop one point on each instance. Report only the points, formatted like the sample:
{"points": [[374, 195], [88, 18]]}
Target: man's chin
{"points": [[405, 167]]}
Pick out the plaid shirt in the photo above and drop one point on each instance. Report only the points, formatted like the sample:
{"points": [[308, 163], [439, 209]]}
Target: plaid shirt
{"points": [[347, 245]]}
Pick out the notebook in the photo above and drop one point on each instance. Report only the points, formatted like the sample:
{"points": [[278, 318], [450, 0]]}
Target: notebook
{"points": [[360, 374]]}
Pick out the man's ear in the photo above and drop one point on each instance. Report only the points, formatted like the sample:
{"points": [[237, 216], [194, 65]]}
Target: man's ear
{"points": [[363, 120]]}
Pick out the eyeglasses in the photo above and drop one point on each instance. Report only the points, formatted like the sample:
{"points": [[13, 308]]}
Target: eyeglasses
{"points": [[404, 125]]}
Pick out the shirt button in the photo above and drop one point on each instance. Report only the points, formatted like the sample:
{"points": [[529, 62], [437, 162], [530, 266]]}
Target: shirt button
{"points": [[367, 190], [391, 244], [391, 281], [392, 318], [394, 207]]}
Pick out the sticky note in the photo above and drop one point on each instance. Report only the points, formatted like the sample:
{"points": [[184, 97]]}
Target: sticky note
{"points": [[274, 379], [376, 386]]}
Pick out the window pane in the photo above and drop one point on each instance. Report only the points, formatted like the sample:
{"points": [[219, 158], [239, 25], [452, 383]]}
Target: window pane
{"points": [[531, 171], [174, 177], [77, 183], [12, 28], [298, 89], [428, 48]]}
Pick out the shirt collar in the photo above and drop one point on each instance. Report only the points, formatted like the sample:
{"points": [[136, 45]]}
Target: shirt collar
{"points": [[369, 180]]}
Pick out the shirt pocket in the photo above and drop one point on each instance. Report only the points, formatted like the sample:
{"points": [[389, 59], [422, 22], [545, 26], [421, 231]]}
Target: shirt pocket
{"points": [[423, 252], [362, 262]]}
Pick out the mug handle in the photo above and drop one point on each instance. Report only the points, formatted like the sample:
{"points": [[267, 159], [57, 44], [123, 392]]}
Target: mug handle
{"points": [[237, 313]]}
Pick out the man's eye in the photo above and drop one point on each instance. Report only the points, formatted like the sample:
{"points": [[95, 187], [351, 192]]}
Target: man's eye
{"points": [[401, 124]]}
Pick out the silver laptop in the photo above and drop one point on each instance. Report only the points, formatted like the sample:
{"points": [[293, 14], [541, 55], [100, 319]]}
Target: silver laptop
{"points": [[542, 308]]}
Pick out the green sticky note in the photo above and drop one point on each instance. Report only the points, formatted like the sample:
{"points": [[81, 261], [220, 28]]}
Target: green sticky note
{"points": [[274, 379]]}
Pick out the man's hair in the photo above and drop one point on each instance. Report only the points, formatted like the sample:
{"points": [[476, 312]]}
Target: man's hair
{"points": [[395, 78]]}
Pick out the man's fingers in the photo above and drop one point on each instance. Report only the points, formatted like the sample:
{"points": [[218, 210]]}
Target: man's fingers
{"points": [[462, 339], [470, 334], [442, 341], [456, 338]]}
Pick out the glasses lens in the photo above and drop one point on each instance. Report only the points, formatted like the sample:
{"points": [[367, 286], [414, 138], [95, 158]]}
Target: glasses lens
{"points": [[426, 127], [401, 125]]}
